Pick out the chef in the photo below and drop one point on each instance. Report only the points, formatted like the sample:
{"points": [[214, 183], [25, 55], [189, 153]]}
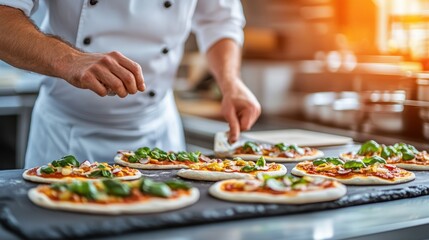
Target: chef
{"points": [[108, 67]]}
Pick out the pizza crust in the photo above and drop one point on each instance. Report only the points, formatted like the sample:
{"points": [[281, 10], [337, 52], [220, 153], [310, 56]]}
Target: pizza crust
{"points": [[206, 175], [411, 166], [370, 180], [148, 206], [261, 197], [149, 166], [253, 157], [35, 178]]}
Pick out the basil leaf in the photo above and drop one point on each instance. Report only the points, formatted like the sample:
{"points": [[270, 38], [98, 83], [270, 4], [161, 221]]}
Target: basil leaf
{"points": [[156, 188], [177, 184], [171, 157], [261, 162], [183, 156], [117, 188], [251, 145], [369, 147], [133, 159], [143, 152], [319, 161], [407, 154], [297, 149], [354, 164], [71, 160], [106, 173], [335, 161], [84, 188], [373, 160], [47, 169], [281, 146], [248, 168], [154, 154], [193, 156]]}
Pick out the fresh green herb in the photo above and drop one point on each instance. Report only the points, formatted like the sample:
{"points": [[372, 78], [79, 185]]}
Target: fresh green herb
{"points": [[369, 147], [319, 161], [101, 173], [171, 157], [261, 162], [68, 160], [354, 164], [177, 184], [116, 188], [281, 146], [335, 161], [297, 149], [374, 159], [47, 169], [248, 168], [84, 188], [193, 156], [251, 145], [159, 189], [182, 156], [133, 159]]}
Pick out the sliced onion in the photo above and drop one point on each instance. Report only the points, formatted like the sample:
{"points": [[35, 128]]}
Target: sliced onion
{"points": [[264, 168], [116, 170], [344, 171], [289, 154], [275, 185], [143, 160], [85, 163], [38, 172], [228, 170], [204, 158], [251, 185]]}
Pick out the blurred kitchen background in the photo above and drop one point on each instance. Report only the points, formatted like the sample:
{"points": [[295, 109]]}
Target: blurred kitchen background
{"points": [[350, 66]]}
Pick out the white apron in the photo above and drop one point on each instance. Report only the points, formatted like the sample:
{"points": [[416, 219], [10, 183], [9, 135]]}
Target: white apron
{"points": [[54, 133]]}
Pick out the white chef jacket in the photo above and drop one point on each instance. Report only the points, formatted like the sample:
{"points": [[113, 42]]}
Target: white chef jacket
{"points": [[68, 120]]}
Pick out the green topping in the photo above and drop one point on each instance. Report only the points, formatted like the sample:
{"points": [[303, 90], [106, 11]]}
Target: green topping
{"points": [[177, 184], [116, 188], [389, 151], [171, 157], [154, 154], [373, 160], [134, 159], [261, 162], [281, 146], [143, 152], [354, 164], [193, 156], [251, 145], [182, 156], [68, 160], [248, 168], [47, 169], [297, 149], [407, 154], [83, 188], [101, 174], [335, 161], [159, 189], [369, 147]]}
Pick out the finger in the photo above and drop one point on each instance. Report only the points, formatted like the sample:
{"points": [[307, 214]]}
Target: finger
{"points": [[126, 77], [111, 81], [92, 83], [98, 88], [234, 126], [133, 67], [246, 120]]}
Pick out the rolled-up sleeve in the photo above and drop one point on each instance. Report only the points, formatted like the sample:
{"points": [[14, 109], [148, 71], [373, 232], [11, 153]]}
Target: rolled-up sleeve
{"points": [[27, 6], [217, 19]]}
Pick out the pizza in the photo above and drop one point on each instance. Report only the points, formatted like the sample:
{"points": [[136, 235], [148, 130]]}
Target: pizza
{"points": [[403, 155], [114, 196], [231, 169], [279, 152], [68, 168], [368, 171], [147, 158], [282, 189]]}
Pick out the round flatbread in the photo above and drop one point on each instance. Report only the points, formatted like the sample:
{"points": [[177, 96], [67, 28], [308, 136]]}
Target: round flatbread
{"points": [[148, 206], [206, 175], [68, 168], [261, 195], [253, 157], [357, 179]]}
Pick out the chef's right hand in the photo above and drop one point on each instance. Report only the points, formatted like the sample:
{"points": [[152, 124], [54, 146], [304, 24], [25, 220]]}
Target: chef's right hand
{"points": [[103, 72]]}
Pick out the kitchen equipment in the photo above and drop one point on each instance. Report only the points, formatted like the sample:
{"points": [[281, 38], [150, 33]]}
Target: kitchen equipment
{"points": [[297, 136]]}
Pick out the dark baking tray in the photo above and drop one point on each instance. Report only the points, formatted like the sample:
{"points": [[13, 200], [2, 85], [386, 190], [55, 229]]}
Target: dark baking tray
{"points": [[26, 220]]}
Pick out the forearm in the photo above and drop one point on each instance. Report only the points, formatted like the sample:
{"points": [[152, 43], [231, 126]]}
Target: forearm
{"points": [[224, 59], [24, 46]]}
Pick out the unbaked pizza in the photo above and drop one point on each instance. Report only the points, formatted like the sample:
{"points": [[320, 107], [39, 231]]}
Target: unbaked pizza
{"points": [[68, 168], [147, 158], [115, 197], [368, 171], [282, 189], [403, 155], [279, 152], [231, 169]]}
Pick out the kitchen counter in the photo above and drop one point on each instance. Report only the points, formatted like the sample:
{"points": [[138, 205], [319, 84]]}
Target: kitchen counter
{"points": [[398, 219]]}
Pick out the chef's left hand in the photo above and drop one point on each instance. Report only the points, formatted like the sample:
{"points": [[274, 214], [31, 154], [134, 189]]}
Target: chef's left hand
{"points": [[240, 108]]}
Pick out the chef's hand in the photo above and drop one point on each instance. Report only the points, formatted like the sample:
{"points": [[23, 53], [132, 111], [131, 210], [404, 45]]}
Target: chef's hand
{"points": [[106, 72], [240, 108]]}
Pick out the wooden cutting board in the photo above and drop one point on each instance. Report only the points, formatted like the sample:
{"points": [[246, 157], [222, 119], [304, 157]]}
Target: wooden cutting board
{"points": [[297, 136]]}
